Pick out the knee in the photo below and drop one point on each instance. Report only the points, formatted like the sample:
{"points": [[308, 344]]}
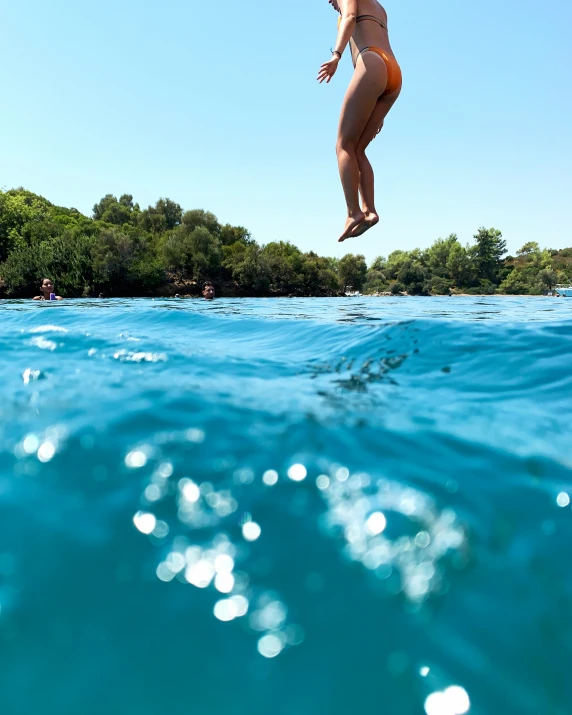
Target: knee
{"points": [[345, 145]]}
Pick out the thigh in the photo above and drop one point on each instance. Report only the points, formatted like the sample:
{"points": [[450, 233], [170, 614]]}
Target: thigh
{"points": [[368, 83], [375, 122]]}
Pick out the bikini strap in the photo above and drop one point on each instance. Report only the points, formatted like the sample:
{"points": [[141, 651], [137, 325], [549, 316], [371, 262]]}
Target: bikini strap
{"points": [[362, 18]]}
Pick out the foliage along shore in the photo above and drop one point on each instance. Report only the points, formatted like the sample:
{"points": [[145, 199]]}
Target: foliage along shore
{"points": [[125, 251]]}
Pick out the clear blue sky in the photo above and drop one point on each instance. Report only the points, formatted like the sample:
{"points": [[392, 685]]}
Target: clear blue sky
{"points": [[215, 105]]}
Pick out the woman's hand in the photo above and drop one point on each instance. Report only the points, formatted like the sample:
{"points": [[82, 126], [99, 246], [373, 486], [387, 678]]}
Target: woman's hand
{"points": [[328, 69]]}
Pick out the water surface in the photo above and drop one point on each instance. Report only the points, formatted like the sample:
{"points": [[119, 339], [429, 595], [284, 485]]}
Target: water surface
{"points": [[286, 506]]}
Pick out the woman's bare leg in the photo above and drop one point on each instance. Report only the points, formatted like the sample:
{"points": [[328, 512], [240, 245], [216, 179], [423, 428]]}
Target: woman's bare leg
{"points": [[368, 82], [367, 180]]}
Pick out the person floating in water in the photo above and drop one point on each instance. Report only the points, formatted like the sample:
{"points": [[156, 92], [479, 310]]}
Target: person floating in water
{"points": [[47, 291], [374, 88], [208, 291]]}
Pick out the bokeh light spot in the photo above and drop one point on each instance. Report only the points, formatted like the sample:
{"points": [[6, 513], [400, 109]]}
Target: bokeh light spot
{"points": [[136, 459], [225, 610], [251, 531], [270, 477], [297, 473], [563, 499], [270, 646], [376, 523], [144, 522], [46, 451], [30, 444]]}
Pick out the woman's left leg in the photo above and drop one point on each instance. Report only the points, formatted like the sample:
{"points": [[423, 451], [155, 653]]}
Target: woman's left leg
{"points": [[367, 182], [367, 85]]}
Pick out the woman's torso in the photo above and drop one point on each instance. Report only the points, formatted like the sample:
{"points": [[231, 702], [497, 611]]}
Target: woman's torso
{"points": [[368, 33]]}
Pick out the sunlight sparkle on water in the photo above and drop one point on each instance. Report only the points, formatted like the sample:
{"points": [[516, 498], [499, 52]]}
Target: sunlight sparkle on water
{"points": [[29, 375], [376, 523], [46, 451], [251, 531], [200, 574], [152, 493], [270, 477], [225, 610], [224, 582], [145, 522], [30, 444], [136, 459], [563, 499], [297, 473], [270, 646], [195, 435], [452, 701], [191, 492], [224, 563]]}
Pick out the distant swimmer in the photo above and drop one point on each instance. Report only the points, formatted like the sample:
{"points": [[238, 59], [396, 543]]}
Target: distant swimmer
{"points": [[208, 291], [374, 87], [47, 291]]}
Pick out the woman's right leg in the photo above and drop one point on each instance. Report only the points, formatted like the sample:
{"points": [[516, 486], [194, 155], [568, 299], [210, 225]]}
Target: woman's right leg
{"points": [[368, 81], [367, 180]]}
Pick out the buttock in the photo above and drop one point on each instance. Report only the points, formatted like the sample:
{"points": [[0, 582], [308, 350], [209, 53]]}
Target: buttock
{"points": [[394, 76]]}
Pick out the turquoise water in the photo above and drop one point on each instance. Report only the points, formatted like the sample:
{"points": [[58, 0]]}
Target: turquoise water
{"points": [[286, 506]]}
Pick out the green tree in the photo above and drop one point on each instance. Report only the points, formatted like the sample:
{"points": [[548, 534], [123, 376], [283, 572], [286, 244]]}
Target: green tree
{"points": [[286, 264], [248, 266], [18, 207], [548, 278], [352, 271], [437, 256], [117, 212], [197, 218], [205, 251], [232, 234], [394, 263], [458, 265], [489, 249], [319, 276], [177, 252], [413, 275], [516, 283], [529, 249], [437, 286], [66, 259], [166, 215], [113, 255], [20, 272]]}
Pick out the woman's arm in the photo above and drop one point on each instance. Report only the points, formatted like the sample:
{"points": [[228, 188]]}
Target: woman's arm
{"points": [[345, 31], [347, 24]]}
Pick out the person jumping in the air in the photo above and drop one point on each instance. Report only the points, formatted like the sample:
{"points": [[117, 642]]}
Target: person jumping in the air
{"points": [[375, 85]]}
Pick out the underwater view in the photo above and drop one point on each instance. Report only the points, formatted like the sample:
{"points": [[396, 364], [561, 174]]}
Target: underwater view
{"points": [[286, 506]]}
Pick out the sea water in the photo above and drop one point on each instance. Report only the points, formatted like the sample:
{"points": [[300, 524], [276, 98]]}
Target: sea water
{"points": [[290, 507]]}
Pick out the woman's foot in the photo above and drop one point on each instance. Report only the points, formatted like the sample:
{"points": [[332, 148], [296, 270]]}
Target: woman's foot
{"points": [[354, 220], [371, 218]]}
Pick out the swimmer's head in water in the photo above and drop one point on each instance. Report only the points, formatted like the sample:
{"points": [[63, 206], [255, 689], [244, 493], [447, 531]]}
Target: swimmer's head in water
{"points": [[47, 286], [208, 291]]}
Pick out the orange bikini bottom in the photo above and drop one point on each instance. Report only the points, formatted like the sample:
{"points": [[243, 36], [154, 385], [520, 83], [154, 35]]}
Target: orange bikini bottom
{"points": [[393, 69]]}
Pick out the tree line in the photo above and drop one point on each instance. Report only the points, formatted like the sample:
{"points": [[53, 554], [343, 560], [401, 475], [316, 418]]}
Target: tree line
{"points": [[124, 250]]}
